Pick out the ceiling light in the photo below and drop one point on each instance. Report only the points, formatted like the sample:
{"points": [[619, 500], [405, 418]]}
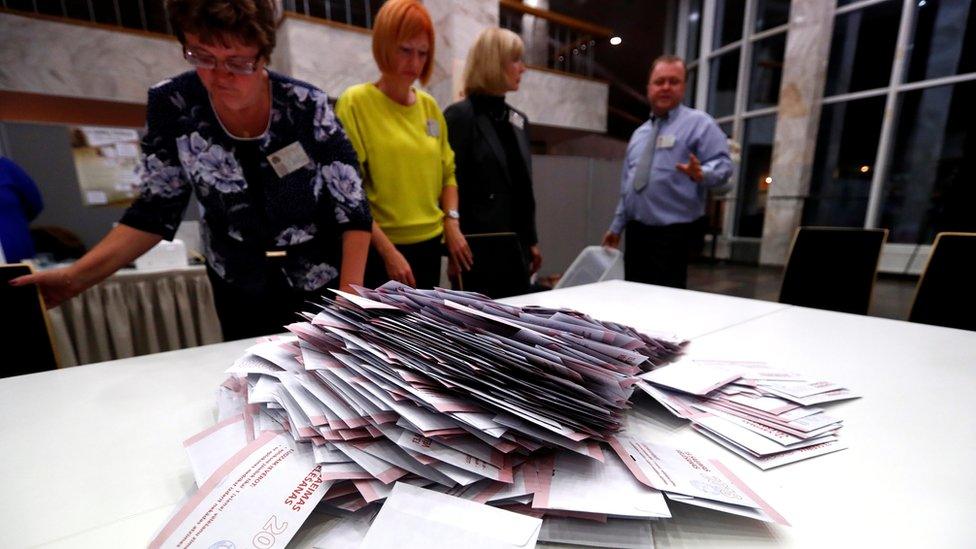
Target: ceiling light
{"points": [[865, 168], [616, 40]]}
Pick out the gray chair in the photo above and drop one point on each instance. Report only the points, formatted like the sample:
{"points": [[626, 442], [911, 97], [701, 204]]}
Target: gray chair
{"points": [[25, 330]]}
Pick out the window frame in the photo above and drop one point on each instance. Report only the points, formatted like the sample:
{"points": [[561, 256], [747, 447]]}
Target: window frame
{"points": [[702, 65]]}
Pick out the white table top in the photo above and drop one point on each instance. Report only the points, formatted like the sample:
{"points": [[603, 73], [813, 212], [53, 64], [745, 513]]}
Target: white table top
{"points": [[684, 313], [94, 457]]}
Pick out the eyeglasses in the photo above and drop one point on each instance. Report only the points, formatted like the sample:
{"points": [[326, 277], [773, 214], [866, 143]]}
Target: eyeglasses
{"points": [[235, 65]]}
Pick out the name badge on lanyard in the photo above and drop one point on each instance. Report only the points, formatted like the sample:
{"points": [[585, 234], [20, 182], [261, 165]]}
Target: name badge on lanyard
{"points": [[433, 128], [287, 160]]}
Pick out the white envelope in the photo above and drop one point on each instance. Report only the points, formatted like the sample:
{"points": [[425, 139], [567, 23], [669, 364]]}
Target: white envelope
{"points": [[821, 446], [415, 518], [344, 531], [266, 491], [614, 533], [586, 485], [692, 479], [692, 377], [212, 447]]}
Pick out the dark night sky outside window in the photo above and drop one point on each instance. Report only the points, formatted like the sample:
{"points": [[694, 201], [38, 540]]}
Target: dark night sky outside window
{"points": [[728, 21], [722, 81], [862, 48], [847, 142], [931, 185], [767, 72], [944, 41], [771, 13], [694, 28], [757, 150]]}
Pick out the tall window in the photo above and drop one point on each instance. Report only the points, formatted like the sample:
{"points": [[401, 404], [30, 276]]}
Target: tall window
{"points": [[898, 132], [735, 53]]}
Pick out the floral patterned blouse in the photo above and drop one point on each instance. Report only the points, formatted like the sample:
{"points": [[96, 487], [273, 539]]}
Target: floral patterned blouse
{"points": [[246, 208]]}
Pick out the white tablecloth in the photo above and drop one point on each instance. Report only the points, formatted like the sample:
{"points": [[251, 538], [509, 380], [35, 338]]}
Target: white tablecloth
{"points": [[135, 313]]}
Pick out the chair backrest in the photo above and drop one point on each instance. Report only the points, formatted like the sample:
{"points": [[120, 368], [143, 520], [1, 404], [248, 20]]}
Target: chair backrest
{"points": [[499, 268], [946, 292], [832, 268], [593, 264], [25, 330]]}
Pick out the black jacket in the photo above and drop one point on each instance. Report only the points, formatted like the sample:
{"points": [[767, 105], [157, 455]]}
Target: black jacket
{"points": [[493, 196]]}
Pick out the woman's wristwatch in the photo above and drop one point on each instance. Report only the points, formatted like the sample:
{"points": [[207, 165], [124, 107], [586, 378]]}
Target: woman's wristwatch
{"points": [[453, 214]]}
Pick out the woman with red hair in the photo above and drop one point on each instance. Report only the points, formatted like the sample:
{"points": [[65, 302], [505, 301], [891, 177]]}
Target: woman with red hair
{"points": [[400, 135]]}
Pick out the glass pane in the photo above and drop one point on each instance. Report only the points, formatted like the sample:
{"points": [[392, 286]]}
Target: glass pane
{"points": [[726, 128], [22, 5], [862, 48], [691, 86], [767, 71], [47, 7], [945, 39], [724, 70], [729, 15], [754, 180], [78, 9], [847, 143], [931, 186], [771, 13], [694, 29], [104, 13]]}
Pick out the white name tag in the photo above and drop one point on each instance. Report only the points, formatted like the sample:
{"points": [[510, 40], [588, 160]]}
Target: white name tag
{"points": [[288, 159], [665, 141], [516, 120], [433, 128]]}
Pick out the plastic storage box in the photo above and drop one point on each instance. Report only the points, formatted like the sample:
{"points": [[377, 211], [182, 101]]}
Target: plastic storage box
{"points": [[594, 264]]}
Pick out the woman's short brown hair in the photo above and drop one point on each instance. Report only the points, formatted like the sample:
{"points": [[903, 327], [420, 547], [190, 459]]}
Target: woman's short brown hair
{"points": [[484, 71], [250, 22], [396, 22]]}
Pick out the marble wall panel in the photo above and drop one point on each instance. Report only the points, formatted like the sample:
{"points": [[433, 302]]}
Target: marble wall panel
{"points": [[458, 23], [563, 101], [783, 216], [46, 57], [795, 140], [329, 57]]}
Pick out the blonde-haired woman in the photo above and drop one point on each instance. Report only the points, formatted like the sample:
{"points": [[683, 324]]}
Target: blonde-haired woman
{"points": [[401, 138], [490, 139]]}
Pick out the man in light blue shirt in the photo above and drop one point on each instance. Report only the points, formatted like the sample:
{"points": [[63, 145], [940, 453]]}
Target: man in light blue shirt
{"points": [[672, 160]]}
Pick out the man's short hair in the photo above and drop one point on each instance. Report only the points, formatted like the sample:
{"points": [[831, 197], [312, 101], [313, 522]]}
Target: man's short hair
{"points": [[668, 58], [396, 22], [223, 22]]}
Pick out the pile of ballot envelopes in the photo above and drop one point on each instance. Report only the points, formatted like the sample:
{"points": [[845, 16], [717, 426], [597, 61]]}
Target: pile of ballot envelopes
{"points": [[468, 420], [765, 415]]}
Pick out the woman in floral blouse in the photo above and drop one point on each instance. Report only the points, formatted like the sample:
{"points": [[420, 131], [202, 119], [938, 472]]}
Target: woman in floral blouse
{"points": [[283, 212]]}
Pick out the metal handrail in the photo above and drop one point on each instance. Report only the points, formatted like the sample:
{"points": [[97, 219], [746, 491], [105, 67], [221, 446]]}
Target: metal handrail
{"points": [[595, 31]]}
